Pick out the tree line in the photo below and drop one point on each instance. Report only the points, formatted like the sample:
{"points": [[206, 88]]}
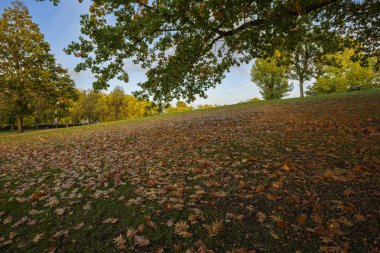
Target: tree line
{"points": [[341, 71], [186, 47]]}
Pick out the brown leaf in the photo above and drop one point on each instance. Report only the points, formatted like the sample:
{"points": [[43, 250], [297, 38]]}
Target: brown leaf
{"points": [[281, 224], [301, 219], [214, 228], [261, 217]]}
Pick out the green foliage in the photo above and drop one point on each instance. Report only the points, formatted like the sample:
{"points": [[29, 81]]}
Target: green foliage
{"points": [[188, 46], [271, 78], [338, 72], [180, 107], [95, 107], [206, 106], [30, 78]]}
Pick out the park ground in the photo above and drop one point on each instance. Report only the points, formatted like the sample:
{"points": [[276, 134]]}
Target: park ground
{"points": [[294, 175]]}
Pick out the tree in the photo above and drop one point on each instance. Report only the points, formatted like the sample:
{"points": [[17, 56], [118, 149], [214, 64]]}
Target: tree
{"points": [[271, 78], [339, 71], [188, 46], [87, 107], [305, 54], [28, 72], [117, 101]]}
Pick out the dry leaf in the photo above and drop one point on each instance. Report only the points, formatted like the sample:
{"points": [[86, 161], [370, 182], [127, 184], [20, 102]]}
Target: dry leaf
{"points": [[110, 220], [141, 241], [261, 217], [301, 219], [120, 242], [37, 238], [214, 228]]}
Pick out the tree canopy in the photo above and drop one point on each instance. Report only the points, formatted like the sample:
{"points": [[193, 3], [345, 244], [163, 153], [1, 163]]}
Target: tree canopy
{"points": [[188, 46], [338, 72], [29, 74]]}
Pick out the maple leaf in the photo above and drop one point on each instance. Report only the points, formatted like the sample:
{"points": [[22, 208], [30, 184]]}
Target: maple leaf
{"points": [[214, 228], [119, 242], [141, 241], [37, 238]]}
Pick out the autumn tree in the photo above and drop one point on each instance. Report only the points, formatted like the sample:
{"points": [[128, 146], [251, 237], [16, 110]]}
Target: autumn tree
{"points": [[28, 72], [117, 101], [188, 46], [339, 71], [271, 78]]}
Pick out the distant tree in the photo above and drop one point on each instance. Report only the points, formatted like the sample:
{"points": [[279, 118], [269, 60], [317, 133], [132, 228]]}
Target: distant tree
{"points": [[206, 106], [117, 101], [271, 78], [28, 72], [181, 106], [339, 71], [87, 108]]}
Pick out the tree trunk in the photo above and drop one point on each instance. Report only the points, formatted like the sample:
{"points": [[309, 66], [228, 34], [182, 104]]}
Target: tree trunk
{"points": [[20, 123], [301, 87]]}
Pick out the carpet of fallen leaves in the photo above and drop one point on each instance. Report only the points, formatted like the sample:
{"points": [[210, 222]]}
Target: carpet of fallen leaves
{"points": [[293, 176]]}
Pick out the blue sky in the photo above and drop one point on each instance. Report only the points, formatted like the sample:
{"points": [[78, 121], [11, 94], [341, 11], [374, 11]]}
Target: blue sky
{"points": [[60, 25]]}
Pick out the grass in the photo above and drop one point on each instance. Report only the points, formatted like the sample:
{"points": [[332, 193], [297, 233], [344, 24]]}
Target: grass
{"points": [[280, 176]]}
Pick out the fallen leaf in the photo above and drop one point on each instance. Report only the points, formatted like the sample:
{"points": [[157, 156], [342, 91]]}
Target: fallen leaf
{"points": [[214, 228], [37, 238], [120, 242], [141, 241], [261, 217]]}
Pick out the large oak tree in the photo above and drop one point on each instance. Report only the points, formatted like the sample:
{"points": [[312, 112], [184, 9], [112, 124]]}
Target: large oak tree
{"points": [[188, 46]]}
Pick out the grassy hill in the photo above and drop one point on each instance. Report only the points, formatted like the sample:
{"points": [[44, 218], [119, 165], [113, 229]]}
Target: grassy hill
{"points": [[295, 175]]}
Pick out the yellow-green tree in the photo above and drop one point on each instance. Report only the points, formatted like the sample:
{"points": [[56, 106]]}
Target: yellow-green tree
{"points": [[339, 72], [270, 75]]}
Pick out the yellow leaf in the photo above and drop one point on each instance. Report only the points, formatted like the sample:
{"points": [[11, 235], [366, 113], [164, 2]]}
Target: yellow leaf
{"points": [[214, 228]]}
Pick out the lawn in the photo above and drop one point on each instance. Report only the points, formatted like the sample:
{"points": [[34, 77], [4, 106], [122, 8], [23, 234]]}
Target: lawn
{"points": [[296, 175]]}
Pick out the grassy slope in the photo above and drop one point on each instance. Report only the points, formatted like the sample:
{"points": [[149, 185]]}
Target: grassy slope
{"points": [[295, 174]]}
